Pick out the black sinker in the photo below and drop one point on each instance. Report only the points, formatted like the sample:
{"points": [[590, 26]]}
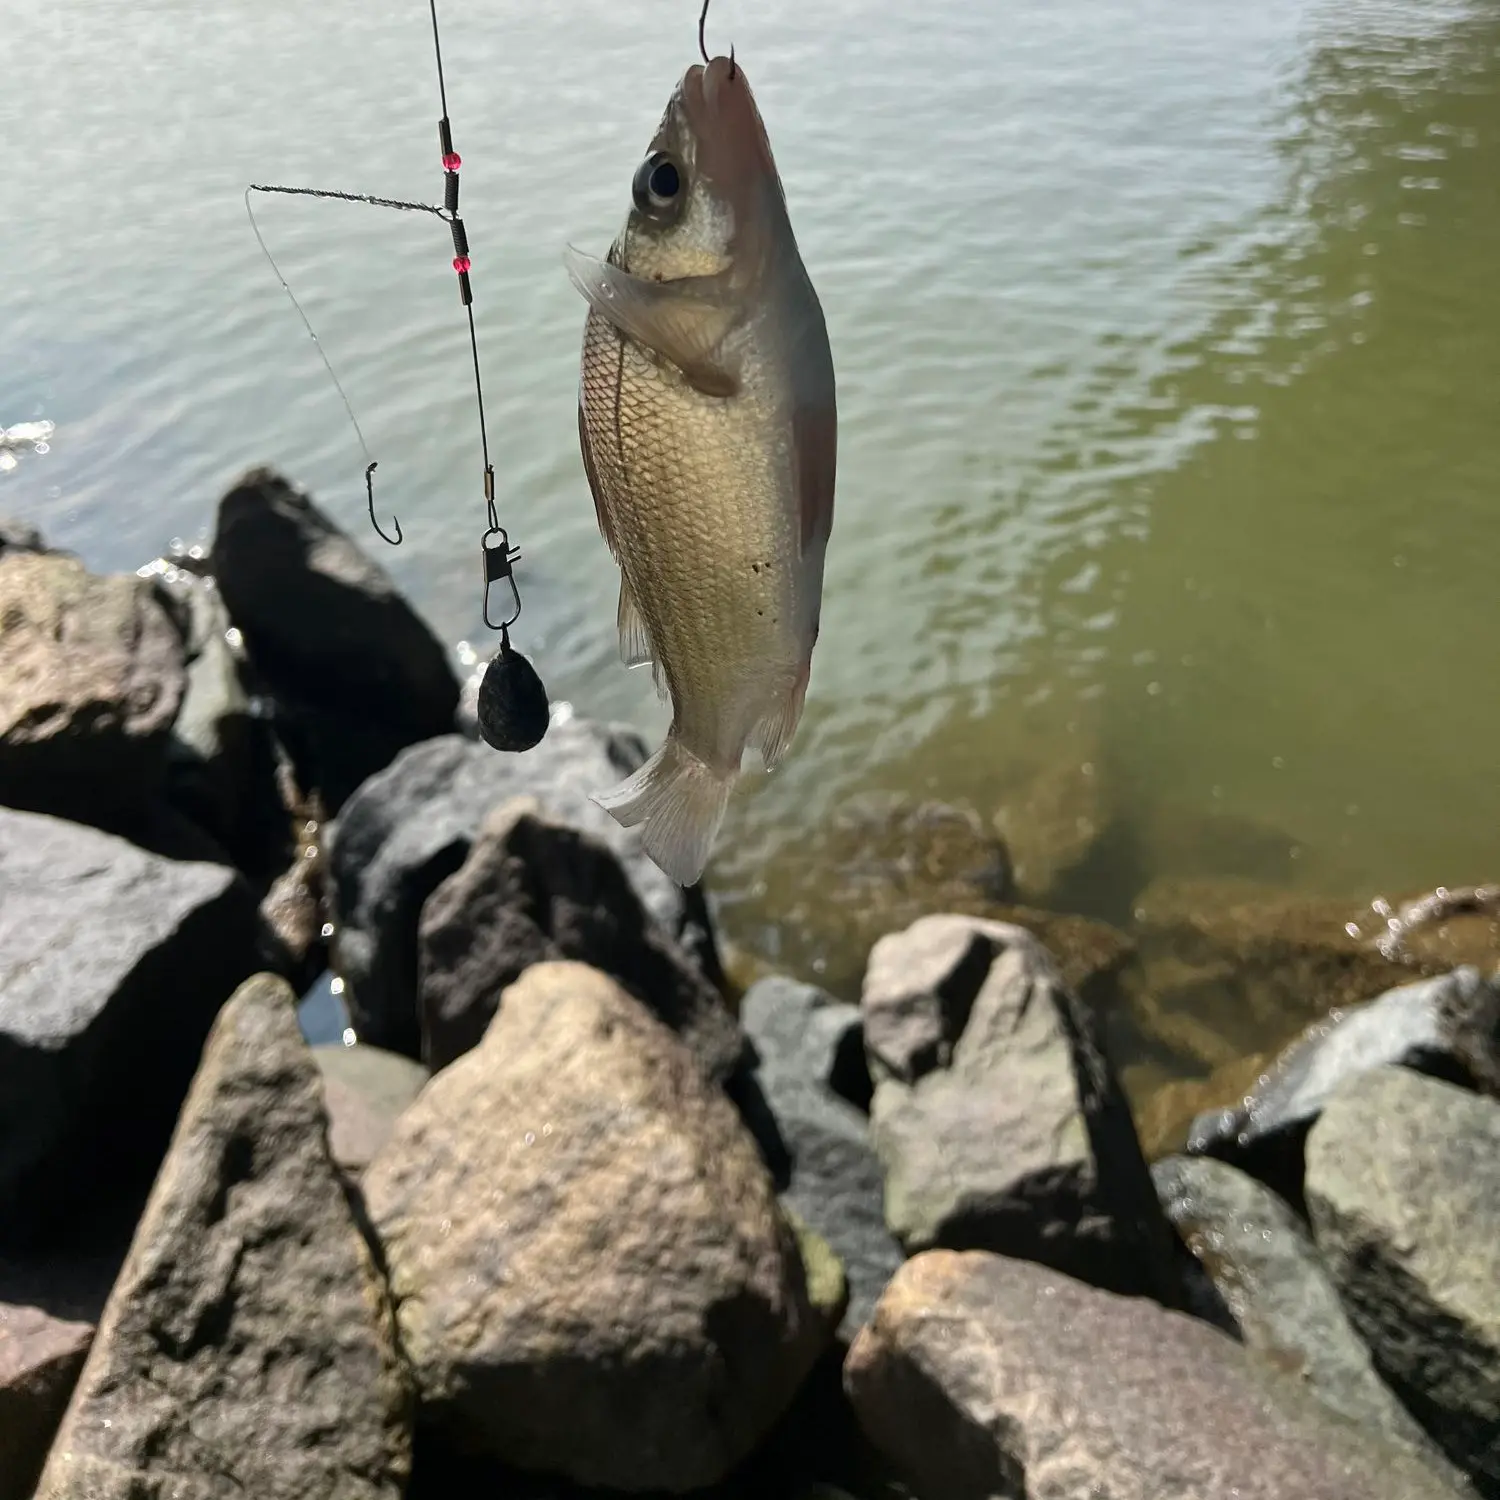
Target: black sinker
{"points": [[513, 709]]}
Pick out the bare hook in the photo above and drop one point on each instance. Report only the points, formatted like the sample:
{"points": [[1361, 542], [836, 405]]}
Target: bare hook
{"points": [[702, 42], [395, 541]]}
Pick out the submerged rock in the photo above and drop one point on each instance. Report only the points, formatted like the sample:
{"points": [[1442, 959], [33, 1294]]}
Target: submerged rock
{"points": [[248, 1347], [996, 1114], [1403, 1184], [986, 1377], [357, 670], [1448, 1027], [1265, 1266], [592, 1276], [412, 826], [810, 1061], [530, 891], [91, 676], [113, 964], [365, 1091], [40, 1357]]}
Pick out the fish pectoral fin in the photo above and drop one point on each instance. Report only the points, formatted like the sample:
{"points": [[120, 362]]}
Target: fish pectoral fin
{"points": [[684, 321], [635, 639], [773, 731]]}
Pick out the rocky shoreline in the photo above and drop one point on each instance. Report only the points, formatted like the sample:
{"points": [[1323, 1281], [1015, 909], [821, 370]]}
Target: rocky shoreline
{"points": [[578, 1213]]}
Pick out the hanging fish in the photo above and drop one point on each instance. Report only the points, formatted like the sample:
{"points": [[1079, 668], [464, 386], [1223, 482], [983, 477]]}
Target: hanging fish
{"points": [[708, 427]]}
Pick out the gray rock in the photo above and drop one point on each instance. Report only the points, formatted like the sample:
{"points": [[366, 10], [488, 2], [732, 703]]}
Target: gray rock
{"points": [[986, 1377], [804, 1041], [1448, 1027], [1403, 1183], [531, 891], [592, 1275], [358, 672], [412, 826], [91, 675], [1265, 1266], [40, 1357], [113, 964], [365, 1091], [998, 1119], [248, 1347]]}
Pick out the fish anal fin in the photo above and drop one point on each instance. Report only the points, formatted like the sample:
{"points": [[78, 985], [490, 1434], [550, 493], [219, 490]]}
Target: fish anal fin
{"points": [[773, 731], [635, 640], [684, 321]]}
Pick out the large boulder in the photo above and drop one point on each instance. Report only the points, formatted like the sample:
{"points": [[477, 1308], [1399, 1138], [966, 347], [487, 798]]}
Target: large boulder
{"points": [[1264, 1264], [592, 1275], [986, 1377], [412, 826], [809, 1052], [357, 670], [532, 891], [996, 1114], [91, 675], [113, 964], [1403, 1183], [248, 1347], [1448, 1027], [40, 1357]]}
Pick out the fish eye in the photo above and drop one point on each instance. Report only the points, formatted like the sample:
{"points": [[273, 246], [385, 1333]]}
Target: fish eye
{"points": [[658, 187]]}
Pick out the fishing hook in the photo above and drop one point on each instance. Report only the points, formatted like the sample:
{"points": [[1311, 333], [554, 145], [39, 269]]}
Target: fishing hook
{"points": [[395, 541], [703, 44]]}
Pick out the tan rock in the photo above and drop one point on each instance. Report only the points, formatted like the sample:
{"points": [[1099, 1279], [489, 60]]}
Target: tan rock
{"points": [[40, 1357]]}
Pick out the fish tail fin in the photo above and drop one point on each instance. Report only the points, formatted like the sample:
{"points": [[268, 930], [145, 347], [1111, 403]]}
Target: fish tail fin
{"points": [[678, 801]]}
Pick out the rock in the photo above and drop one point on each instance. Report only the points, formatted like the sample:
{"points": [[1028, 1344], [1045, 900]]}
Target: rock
{"points": [[291, 914], [998, 1119], [365, 1092], [1403, 1184], [1448, 1027], [412, 826], [40, 1357], [1448, 927], [986, 1377], [1230, 968], [113, 964], [1054, 813], [17, 535], [355, 667], [530, 891], [221, 761], [91, 675], [1265, 1266], [806, 1045], [592, 1276], [248, 1347], [1166, 1109]]}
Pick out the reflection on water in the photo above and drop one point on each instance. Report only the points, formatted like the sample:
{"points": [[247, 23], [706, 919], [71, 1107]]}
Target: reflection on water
{"points": [[1168, 344]]}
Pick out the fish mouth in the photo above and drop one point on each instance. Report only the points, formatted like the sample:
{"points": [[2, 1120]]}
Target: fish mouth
{"points": [[718, 115]]}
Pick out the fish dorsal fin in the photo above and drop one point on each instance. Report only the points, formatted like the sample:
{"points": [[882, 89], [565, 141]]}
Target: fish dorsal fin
{"points": [[684, 321]]}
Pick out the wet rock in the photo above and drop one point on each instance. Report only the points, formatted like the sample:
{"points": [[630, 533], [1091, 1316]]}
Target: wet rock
{"points": [[810, 1061], [221, 759], [988, 1377], [91, 676], [530, 891], [40, 1357], [1403, 1184], [1263, 1262], [357, 670], [592, 1276], [113, 963], [1448, 927], [365, 1091], [996, 1114], [1448, 1027], [412, 826], [248, 1347]]}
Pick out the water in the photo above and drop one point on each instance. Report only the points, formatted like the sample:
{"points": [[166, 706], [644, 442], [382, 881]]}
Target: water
{"points": [[1168, 341]]}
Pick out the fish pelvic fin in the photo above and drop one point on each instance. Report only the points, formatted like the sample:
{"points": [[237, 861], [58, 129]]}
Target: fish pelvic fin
{"points": [[678, 802]]}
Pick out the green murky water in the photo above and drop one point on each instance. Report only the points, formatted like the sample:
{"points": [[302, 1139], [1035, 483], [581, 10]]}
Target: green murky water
{"points": [[1169, 354]]}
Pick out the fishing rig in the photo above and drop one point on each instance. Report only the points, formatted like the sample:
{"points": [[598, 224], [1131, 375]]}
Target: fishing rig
{"points": [[513, 708]]}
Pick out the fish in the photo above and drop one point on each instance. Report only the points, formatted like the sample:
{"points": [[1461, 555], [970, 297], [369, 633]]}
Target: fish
{"points": [[708, 425]]}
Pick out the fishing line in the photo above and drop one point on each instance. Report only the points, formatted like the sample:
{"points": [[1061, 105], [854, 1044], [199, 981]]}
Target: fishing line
{"points": [[513, 708]]}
